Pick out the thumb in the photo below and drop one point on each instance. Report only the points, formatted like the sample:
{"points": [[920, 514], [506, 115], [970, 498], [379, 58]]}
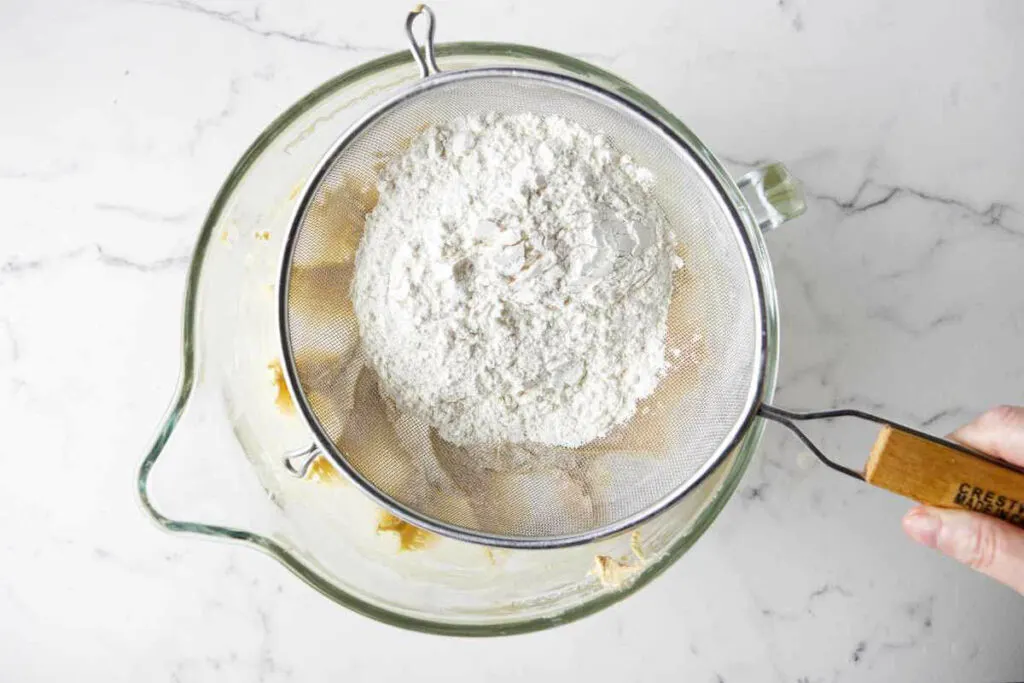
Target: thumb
{"points": [[989, 545]]}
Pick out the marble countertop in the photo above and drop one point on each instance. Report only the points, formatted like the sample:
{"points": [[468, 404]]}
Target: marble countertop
{"points": [[902, 291]]}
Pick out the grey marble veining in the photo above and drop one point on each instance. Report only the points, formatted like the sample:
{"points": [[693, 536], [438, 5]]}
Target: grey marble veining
{"points": [[901, 290]]}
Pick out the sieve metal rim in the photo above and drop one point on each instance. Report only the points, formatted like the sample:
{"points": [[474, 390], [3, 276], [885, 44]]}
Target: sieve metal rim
{"points": [[712, 173]]}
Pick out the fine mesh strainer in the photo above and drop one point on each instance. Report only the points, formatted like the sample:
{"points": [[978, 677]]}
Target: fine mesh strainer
{"points": [[526, 495]]}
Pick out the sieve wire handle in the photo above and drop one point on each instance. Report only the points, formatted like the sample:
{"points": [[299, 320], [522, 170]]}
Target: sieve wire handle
{"points": [[924, 467], [788, 419], [773, 194], [426, 60]]}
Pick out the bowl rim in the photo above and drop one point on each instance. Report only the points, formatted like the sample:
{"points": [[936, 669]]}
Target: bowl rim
{"points": [[739, 459]]}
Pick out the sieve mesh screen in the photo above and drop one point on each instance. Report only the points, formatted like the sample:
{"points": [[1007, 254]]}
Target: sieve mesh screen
{"points": [[520, 493]]}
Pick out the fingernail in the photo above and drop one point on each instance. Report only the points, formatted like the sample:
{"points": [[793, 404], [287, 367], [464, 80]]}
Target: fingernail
{"points": [[922, 526]]}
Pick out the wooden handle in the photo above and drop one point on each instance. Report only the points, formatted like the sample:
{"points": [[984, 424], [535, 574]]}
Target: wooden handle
{"points": [[945, 475]]}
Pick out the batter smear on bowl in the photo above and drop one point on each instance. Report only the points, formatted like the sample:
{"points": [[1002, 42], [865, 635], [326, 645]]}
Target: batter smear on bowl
{"points": [[513, 281]]}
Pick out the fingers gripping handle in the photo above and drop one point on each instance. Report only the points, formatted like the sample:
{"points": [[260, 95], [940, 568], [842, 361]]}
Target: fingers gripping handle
{"points": [[943, 474]]}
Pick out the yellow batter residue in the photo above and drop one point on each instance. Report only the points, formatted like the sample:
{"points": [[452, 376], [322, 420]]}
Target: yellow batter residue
{"points": [[283, 400], [409, 536], [322, 472], [263, 235], [496, 556], [634, 545], [619, 572], [613, 573]]}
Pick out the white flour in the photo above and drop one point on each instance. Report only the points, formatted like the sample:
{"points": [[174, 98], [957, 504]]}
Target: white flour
{"points": [[513, 281]]}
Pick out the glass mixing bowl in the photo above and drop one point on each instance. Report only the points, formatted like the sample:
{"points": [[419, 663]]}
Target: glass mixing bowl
{"points": [[215, 468]]}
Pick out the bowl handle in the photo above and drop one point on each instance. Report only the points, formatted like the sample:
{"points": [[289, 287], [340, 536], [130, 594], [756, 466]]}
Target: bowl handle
{"points": [[773, 194], [143, 482]]}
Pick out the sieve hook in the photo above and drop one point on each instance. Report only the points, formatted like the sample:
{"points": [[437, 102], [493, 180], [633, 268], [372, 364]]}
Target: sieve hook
{"points": [[426, 61], [298, 462]]}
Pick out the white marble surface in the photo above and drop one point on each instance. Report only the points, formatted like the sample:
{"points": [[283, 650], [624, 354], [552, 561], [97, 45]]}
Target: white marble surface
{"points": [[902, 290]]}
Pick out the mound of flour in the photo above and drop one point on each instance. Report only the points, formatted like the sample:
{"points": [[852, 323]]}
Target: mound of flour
{"points": [[513, 281]]}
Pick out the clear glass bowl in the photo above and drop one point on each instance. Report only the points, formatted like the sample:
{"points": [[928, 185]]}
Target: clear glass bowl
{"points": [[215, 468]]}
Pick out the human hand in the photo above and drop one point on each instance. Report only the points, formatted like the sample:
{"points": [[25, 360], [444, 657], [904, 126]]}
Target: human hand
{"points": [[987, 544]]}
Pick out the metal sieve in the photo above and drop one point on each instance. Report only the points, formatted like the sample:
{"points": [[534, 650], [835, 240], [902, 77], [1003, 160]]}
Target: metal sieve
{"points": [[715, 338], [527, 495]]}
